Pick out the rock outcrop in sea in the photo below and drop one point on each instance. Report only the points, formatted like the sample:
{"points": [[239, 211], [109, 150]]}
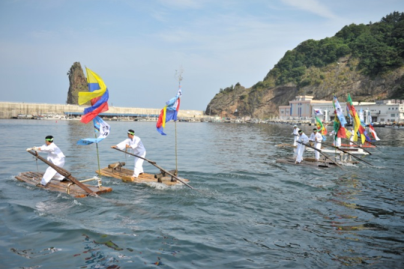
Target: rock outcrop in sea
{"points": [[78, 83]]}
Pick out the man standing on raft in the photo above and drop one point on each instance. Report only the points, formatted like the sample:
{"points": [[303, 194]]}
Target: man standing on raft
{"points": [[302, 140], [55, 156], [136, 144]]}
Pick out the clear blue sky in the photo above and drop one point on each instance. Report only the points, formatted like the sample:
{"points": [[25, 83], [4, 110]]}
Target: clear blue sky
{"points": [[136, 46]]}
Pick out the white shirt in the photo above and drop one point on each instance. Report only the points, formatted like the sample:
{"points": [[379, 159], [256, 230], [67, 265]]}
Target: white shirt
{"points": [[303, 138], [317, 137], [55, 155], [295, 131], [135, 143]]}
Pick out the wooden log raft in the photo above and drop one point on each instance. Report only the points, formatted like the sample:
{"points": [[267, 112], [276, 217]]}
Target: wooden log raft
{"points": [[320, 164], [116, 166], [164, 174], [34, 178], [126, 174]]}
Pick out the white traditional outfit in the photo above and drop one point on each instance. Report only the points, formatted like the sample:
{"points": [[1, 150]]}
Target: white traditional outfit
{"points": [[337, 140], [351, 139], [300, 147], [55, 156], [351, 145], [317, 138], [295, 135], [138, 149]]}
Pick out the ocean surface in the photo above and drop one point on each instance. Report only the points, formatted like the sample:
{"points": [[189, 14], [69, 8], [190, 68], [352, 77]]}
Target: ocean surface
{"points": [[246, 211]]}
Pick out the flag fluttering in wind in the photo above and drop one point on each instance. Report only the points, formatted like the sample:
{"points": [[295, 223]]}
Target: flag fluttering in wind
{"points": [[318, 111], [101, 127], [357, 123], [169, 112], [373, 132], [320, 127], [98, 95], [339, 120], [339, 112]]}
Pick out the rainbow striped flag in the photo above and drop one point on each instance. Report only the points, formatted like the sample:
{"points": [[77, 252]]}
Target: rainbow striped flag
{"points": [[98, 95], [169, 112]]}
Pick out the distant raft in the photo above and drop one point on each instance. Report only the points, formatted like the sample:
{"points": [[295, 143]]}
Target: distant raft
{"points": [[68, 187], [116, 170], [355, 151], [285, 146], [319, 164]]}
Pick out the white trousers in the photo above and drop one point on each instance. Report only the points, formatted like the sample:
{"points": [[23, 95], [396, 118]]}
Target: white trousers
{"points": [[295, 140], [300, 151], [51, 173], [138, 165], [316, 153]]}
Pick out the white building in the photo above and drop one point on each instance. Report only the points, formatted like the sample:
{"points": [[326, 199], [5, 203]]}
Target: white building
{"points": [[304, 107]]}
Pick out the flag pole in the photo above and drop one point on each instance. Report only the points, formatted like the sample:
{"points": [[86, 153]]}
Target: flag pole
{"points": [[98, 156], [179, 72]]}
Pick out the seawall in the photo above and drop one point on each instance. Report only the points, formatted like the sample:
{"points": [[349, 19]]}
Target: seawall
{"points": [[9, 110]]}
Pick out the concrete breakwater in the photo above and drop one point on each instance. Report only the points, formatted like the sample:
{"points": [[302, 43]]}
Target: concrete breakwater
{"points": [[12, 110]]}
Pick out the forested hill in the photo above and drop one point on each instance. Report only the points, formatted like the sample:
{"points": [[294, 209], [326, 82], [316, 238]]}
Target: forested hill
{"points": [[364, 60]]}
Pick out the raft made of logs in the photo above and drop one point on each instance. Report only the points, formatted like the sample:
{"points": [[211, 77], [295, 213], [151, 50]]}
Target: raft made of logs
{"points": [[116, 170], [355, 151], [319, 164], [68, 187]]}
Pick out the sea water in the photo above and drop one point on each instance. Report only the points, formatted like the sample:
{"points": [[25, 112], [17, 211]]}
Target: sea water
{"points": [[246, 211]]}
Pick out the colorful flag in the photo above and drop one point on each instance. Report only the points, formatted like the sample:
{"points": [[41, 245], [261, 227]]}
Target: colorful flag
{"points": [[357, 123], [318, 111], [98, 95], [373, 132], [101, 127], [320, 126], [169, 112], [339, 112]]}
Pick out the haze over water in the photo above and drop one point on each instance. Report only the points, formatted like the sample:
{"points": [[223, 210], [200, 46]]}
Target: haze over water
{"points": [[246, 212]]}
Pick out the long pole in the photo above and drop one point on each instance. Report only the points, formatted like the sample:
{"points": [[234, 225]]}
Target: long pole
{"points": [[63, 172], [176, 157], [98, 156], [344, 151], [176, 152], [361, 147], [155, 164], [326, 156]]}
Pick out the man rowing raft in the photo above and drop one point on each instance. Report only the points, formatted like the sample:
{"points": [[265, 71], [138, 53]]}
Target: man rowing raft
{"points": [[136, 145], [317, 138], [303, 139], [55, 156], [295, 135]]}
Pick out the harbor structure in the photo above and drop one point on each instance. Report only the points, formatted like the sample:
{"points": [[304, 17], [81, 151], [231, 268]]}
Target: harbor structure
{"points": [[306, 108], [34, 110]]}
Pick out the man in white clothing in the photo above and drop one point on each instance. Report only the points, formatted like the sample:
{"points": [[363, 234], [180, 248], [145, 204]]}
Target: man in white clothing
{"points": [[317, 138], [303, 139], [136, 145], [55, 156], [337, 140], [295, 135]]}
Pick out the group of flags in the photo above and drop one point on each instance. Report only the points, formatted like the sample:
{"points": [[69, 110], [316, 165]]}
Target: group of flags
{"points": [[98, 96], [340, 122]]}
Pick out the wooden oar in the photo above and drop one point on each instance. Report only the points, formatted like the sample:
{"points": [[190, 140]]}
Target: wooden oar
{"points": [[350, 154], [360, 147], [154, 163], [334, 161], [63, 172]]}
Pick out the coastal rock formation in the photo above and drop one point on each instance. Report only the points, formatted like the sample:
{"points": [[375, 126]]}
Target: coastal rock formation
{"points": [[78, 83], [366, 61]]}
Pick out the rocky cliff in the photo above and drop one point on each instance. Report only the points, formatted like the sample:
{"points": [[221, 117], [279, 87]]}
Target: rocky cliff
{"points": [[78, 83], [366, 61]]}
